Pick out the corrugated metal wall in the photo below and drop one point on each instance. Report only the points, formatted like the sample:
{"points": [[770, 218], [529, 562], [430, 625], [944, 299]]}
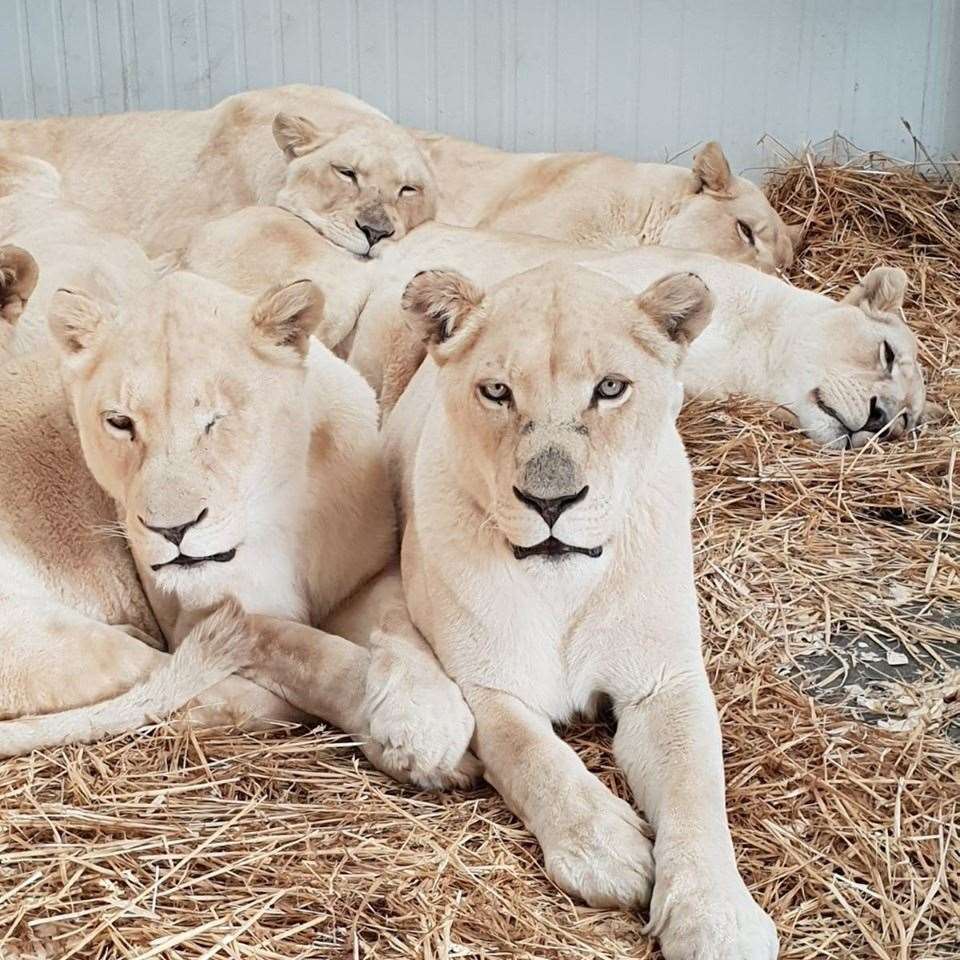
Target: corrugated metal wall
{"points": [[641, 78]]}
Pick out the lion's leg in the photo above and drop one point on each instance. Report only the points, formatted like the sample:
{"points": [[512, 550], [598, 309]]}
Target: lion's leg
{"points": [[668, 744], [53, 658], [594, 844]]}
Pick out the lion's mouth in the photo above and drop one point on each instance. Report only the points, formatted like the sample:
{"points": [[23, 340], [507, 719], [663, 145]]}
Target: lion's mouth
{"points": [[182, 560], [552, 547]]}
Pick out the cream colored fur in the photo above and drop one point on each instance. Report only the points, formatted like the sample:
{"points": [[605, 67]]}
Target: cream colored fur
{"points": [[68, 246], [503, 422], [603, 201], [824, 363], [154, 176], [224, 434]]}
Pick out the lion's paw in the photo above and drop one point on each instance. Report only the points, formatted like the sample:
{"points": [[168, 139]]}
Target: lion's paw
{"points": [[605, 857], [419, 725], [698, 920]]}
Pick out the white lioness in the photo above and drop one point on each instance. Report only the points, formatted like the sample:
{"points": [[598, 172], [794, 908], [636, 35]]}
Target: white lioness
{"points": [[604, 201], [546, 504], [67, 248], [843, 371], [350, 172], [246, 463]]}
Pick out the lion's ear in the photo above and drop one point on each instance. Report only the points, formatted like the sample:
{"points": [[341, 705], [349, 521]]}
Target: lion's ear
{"points": [[18, 277], [296, 135], [679, 304], [285, 316], [796, 233], [711, 167], [881, 291], [74, 319], [443, 306]]}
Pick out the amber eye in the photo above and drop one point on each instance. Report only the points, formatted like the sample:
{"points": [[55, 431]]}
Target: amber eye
{"points": [[119, 424], [495, 392], [746, 232], [610, 388], [346, 173]]}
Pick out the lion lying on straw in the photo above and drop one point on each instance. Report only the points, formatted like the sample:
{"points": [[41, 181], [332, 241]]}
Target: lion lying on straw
{"points": [[246, 463], [546, 504], [843, 371]]}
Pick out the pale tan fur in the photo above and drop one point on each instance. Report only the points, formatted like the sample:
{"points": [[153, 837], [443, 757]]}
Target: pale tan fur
{"points": [[154, 176], [824, 363], [67, 245], [604, 201], [198, 410], [503, 447]]}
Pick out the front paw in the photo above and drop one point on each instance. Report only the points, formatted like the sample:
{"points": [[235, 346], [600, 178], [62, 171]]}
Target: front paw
{"points": [[604, 856], [419, 725], [696, 919]]}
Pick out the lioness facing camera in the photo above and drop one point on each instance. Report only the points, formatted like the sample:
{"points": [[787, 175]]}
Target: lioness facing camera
{"points": [[547, 558], [244, 460]]}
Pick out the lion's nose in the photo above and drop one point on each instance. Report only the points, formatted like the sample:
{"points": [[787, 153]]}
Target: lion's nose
{"points": [[550, 509], [175, 534], [878, 418], [373, 233]]}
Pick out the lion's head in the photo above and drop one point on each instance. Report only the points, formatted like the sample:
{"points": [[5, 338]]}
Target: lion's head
{"points": [[729, 217], [860, 375], [365, 185], [189, 401], [559, 389]]}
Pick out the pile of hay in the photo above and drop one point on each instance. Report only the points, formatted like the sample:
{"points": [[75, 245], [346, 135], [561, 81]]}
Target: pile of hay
{"points": [[179, 845]]}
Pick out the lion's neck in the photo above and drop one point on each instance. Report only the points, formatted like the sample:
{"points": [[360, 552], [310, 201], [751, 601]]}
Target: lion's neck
{"points": [[754, 342]]}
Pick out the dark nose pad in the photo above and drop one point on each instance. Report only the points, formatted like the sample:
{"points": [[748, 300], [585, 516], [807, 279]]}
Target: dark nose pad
{"points": [[373, 234], [550, 509], [878, 417], [175, 534]]}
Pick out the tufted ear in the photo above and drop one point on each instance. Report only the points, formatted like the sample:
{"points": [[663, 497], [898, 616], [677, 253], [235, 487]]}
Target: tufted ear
{"points": [[442, 305], [296, 135], [711, 167], [74, 319], [18, 277], [881, 291], [679, 304], [286, 315]]}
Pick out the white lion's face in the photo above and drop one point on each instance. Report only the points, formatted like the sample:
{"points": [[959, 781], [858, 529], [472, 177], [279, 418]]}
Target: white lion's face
{"points": [[365, 187], [558, 388], [189, 402], [858, 375]]}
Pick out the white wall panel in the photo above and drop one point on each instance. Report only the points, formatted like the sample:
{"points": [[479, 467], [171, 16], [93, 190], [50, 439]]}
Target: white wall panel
{"points": [[642, 78]]}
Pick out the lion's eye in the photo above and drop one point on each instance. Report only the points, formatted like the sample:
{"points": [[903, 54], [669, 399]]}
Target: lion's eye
{"points": [[347, 173], [120, 424], [495, 392], [212, 423], [889, 356], [610, 388], [408, 191], [745, 232]]}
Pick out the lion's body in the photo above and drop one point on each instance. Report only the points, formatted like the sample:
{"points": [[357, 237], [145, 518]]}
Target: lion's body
{"points": [[547, 559], [155, 175], [598, 200], [768, 339], [233, 416]]}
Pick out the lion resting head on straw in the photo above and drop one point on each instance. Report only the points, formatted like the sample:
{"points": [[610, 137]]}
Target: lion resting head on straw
{"points": [[547, 557]]}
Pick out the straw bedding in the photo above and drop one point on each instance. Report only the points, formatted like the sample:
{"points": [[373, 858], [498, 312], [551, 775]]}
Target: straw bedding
{"points": [[188, 845]]}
